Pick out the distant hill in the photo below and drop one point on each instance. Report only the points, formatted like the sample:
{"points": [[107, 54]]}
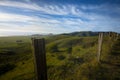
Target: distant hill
{"points": [[84, 33], [78, 34]]}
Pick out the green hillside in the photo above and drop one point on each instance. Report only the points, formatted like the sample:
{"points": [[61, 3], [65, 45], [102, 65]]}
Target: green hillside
{"points": [[69, 57]]}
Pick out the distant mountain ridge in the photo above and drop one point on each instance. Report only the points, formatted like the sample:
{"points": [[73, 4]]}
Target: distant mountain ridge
{"points": [[81, 34], [85, 33]]}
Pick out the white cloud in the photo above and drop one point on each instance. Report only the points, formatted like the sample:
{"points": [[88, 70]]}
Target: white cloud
{"points": [[10, 32], [51, 25], [32, 6], [19, 5], [10, 17], [10, 22], [47, 9], [16, 17], [59, 9]]}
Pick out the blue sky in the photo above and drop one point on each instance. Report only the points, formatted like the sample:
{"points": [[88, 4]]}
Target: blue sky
{"points": [[24, 17]]}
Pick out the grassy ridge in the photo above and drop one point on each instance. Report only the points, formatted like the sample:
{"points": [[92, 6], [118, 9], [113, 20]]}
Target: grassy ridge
{"points": [[68, 58]]}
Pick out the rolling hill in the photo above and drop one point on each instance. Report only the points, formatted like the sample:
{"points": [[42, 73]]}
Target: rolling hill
{"points": [[70, 56]]}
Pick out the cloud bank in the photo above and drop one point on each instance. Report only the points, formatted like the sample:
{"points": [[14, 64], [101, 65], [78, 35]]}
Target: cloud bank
{"points": [[26, 17]]}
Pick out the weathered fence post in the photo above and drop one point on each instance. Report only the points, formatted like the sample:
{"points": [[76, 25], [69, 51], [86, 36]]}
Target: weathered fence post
{"points": [[100, 39], [40, 58]]}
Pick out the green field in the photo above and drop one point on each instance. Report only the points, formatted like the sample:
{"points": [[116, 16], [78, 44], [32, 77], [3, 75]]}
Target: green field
{"points": [[68, 58]]}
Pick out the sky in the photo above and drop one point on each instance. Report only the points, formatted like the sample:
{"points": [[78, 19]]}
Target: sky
{"points": [[26, 17]]}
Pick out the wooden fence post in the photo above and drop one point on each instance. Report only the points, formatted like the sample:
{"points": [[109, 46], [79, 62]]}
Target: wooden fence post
{"points": [[40, 58], [100, 39]]}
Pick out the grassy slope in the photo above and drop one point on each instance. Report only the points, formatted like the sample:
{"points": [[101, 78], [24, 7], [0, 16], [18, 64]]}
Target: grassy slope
{"points": [[22, 58], [81, 63]]}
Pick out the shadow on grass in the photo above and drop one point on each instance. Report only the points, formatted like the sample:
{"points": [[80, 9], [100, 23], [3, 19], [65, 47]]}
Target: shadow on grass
{"points": [[6, 67]]}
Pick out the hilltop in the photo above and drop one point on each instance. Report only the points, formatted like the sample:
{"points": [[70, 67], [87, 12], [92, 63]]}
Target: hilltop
{"points": [[70, 56]]}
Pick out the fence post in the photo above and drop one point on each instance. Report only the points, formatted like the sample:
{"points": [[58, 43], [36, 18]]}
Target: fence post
{"points": [[100, 39], [40, 58]]}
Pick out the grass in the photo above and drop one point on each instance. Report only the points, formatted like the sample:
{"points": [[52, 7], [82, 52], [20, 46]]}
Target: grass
{"points": [[80, 64], [22, 58]]}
